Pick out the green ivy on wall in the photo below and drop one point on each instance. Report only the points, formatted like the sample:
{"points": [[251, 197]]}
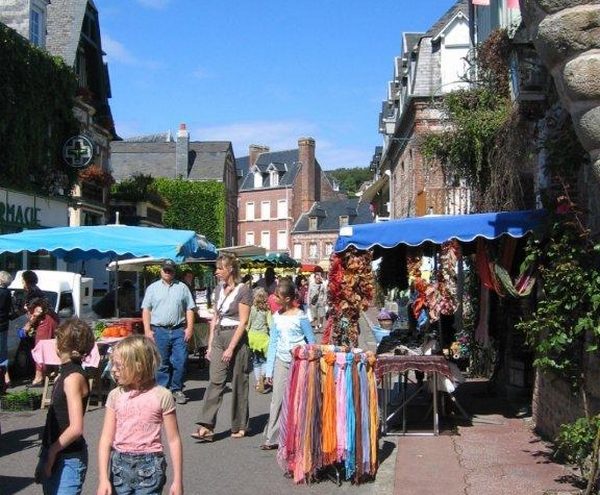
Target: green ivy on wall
{"points": [[36, 116], [198, 206]]}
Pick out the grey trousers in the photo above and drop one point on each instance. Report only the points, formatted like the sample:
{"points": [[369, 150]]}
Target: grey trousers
{"points": [[218, 376], [280, 378]]}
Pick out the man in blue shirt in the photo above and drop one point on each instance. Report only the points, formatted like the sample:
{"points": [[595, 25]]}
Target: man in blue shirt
{"points": [[168, 315]]}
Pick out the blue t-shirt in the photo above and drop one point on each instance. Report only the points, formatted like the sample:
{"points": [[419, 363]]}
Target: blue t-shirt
{"points": [[167, 303]]}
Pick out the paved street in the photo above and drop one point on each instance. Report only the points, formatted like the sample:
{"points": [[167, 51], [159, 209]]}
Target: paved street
{"points": [[225, 466]]}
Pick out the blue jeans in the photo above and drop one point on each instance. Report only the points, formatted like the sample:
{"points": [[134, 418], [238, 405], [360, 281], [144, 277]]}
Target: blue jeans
{"points": [[137, 474], [173, 354], [258, 364], [4, 349], [68, 475]]}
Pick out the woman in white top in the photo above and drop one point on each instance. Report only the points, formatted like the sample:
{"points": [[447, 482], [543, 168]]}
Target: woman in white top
{"points": [[227, 349]]}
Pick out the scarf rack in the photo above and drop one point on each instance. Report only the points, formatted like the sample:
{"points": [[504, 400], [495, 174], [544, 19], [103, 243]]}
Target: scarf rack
{"points": [[329, 417]]}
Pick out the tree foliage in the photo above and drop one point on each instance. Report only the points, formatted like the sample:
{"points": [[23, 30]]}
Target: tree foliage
{"points": [[198, 206], [37, 94], [350, 179]]}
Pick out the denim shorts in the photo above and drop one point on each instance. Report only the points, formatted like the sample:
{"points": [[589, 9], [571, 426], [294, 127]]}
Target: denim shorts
{"points": [[68, 474], [139, 474]]}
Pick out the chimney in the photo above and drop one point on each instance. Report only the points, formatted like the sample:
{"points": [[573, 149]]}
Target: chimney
{"points": [[254, 150], [309, 184], [182, 149]]}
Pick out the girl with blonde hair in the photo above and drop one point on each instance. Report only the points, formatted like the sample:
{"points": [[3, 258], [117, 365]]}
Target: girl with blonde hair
{"points": [[259, 324], [130, 454]]}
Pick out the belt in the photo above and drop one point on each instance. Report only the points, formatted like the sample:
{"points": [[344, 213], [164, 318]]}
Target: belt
{"points": [[170, 327], [227, 327]]}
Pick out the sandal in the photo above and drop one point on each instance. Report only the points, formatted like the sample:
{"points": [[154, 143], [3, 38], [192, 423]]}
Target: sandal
{"points": [[269, 446], [239, 434], [203, 434]]}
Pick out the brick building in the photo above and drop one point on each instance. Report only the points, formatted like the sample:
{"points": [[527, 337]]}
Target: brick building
{"points": [[316, 231], [431, 64], [275, 189]]}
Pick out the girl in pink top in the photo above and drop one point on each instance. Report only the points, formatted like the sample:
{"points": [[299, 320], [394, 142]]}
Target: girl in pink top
{"points": [[130, 455]]}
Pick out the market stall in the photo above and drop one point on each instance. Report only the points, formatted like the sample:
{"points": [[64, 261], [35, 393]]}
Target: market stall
{"points": [[399, 245]]}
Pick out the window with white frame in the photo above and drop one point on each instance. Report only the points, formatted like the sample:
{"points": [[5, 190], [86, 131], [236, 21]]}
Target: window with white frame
{"points": [[312, 250], [37, 26], [265, 239], [328, 248], [265, 210], [250, 210], [282, 211], [312, 223], [297, 251], [282, 239], [274, 178], [258, 179], [249, 238]]}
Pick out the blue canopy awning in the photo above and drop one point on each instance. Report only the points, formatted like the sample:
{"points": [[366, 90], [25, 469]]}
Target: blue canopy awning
{"points": [[437, 229], [116, 241]]}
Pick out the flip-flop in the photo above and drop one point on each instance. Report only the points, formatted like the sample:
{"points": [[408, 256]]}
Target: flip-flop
{"points": [[205, 436], [239, 434], [267, 446]]}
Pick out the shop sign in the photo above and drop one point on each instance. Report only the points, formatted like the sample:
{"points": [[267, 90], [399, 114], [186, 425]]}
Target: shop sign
{"points": [[78, 151], [27, 216]]}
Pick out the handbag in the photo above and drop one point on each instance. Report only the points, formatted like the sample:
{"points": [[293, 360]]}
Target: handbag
{"points": [[315, 298]]}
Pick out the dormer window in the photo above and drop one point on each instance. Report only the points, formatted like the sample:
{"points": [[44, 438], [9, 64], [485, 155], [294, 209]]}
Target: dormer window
{"points": [[343, 220], [258, 179], [312, 223], [274, 178]]}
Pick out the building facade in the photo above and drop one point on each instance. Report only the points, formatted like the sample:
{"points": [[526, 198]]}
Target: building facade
{"points": [[431, 64], [316, 231], [161, 155], [276, 188]]}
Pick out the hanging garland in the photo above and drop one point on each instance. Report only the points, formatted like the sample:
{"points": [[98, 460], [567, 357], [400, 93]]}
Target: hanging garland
{"points": [[350, 291]]}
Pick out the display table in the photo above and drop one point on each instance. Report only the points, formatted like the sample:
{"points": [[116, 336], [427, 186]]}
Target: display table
{"points": [[388, 365], [45, 353]]}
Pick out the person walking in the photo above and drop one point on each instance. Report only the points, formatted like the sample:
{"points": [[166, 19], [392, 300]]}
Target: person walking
{"points": [[130, 452], [317, 300], [168, 314], [64, 457], [259, 324], [6, 309], [227, 350], [290, 329]]}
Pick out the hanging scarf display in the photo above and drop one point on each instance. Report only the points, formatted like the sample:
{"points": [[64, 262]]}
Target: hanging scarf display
{"points": [[329, 414]]}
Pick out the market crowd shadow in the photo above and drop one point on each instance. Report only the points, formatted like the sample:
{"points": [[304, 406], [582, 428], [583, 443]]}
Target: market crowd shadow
{"points": [[19, 440], [14, 484]]}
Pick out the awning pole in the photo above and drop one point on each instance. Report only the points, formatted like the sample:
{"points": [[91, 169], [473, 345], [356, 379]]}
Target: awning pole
{"points": [[117, 287]]}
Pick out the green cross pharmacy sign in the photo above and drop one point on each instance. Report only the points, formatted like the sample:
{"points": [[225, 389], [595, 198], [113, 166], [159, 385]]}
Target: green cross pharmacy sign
{"points": [[78, 151]]}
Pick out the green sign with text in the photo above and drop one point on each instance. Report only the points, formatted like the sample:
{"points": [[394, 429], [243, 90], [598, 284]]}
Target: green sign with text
{"points": [[27, 216]]}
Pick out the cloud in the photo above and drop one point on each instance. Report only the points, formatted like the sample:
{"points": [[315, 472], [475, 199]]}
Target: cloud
{"points": [[116, 52], [154, 4]]}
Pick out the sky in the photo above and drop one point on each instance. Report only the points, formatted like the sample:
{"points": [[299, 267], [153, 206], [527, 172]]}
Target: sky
{"points": [[259, 71]]}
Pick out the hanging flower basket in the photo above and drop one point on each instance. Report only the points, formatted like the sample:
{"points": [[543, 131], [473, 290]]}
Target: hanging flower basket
{"points": [[97, 175], [21, 401]]}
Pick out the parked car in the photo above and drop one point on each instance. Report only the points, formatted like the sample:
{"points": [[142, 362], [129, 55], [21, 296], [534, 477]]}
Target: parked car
{"points": [[69, 294]]}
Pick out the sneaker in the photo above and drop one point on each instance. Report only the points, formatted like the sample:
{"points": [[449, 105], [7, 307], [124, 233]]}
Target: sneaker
{"points": [[180, 397]]}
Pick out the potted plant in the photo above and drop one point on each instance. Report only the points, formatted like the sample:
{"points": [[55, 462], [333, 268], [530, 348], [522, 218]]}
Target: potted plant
{"points": [[25, 400]]}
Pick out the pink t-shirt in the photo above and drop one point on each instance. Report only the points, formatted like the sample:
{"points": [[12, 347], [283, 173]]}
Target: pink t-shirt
{"points": [[139, 417]]}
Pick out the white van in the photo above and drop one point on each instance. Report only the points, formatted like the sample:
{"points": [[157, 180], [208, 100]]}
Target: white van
{"points": [[69, 294]]}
